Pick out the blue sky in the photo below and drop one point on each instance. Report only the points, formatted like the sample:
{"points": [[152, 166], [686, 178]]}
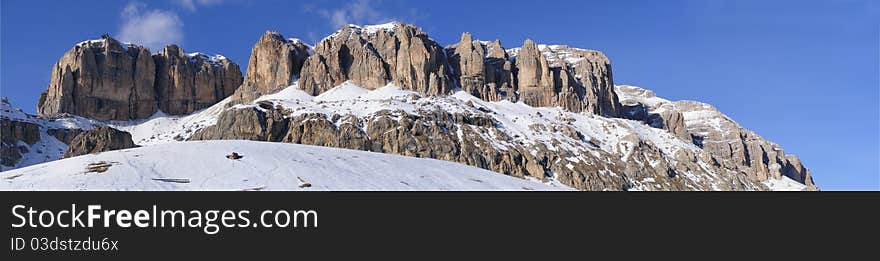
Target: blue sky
{"points": [[802, 73]]}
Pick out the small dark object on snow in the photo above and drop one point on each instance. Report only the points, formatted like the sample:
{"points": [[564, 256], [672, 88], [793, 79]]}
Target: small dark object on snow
{"points": [[99, 167], [305, 184], [172, 180], [234, 156]]}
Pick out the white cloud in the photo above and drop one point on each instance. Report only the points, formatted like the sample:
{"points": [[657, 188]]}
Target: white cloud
{"points": [[354, 12], [152, 28], [192, 5]]}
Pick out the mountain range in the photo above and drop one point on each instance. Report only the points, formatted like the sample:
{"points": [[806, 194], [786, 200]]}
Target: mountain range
{"points": [[545, 113]]}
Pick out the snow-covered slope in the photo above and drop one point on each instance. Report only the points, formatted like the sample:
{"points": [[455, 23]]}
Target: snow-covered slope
{"points": [[784, 184], [203, 165], [160, 128], [9, 112], [517, 119], [584, 139]]}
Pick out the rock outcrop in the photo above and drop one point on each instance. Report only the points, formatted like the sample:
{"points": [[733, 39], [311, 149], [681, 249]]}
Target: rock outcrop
{"points": [[475, 139], [403, 55], [12, 134], [246, 124], [189, 82], [727, 145], [374, 56], [106, 80], [64, 135], [27, 139], [734, 147], [574, 79], [97, 140], [275, 63], [102, 79], [669, 120], [429, 135], [536, 83], [482, 69]]}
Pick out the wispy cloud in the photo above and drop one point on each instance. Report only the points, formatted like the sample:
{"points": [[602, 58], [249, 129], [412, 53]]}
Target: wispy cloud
{"points": [[193, 5], [355, 12], [152, 28]]}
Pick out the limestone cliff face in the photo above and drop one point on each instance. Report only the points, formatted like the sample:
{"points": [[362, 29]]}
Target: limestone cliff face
{"points": [[101, 79], [482, 69], [574, 79], [402, 54], [275, 63], [106, 80], [535, 82], [189, 82], [374, 56]]}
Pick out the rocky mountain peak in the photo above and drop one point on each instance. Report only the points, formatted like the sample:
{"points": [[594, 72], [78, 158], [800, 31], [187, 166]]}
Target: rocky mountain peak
{"points": [[466, 40], [272, 36], [470, 55], [212, 60], [534, 72], [367, 31], [404, 55], [388, 27], [557, 75], [275, 62], [106, 80], [101, 79], [374, 56]]}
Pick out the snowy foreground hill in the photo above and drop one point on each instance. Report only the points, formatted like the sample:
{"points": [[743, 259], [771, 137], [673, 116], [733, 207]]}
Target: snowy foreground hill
{"points": [[203, 165]]}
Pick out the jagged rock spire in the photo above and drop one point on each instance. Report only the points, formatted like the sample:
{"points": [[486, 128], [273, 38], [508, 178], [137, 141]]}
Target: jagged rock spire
{"points": [[275, 63]]}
